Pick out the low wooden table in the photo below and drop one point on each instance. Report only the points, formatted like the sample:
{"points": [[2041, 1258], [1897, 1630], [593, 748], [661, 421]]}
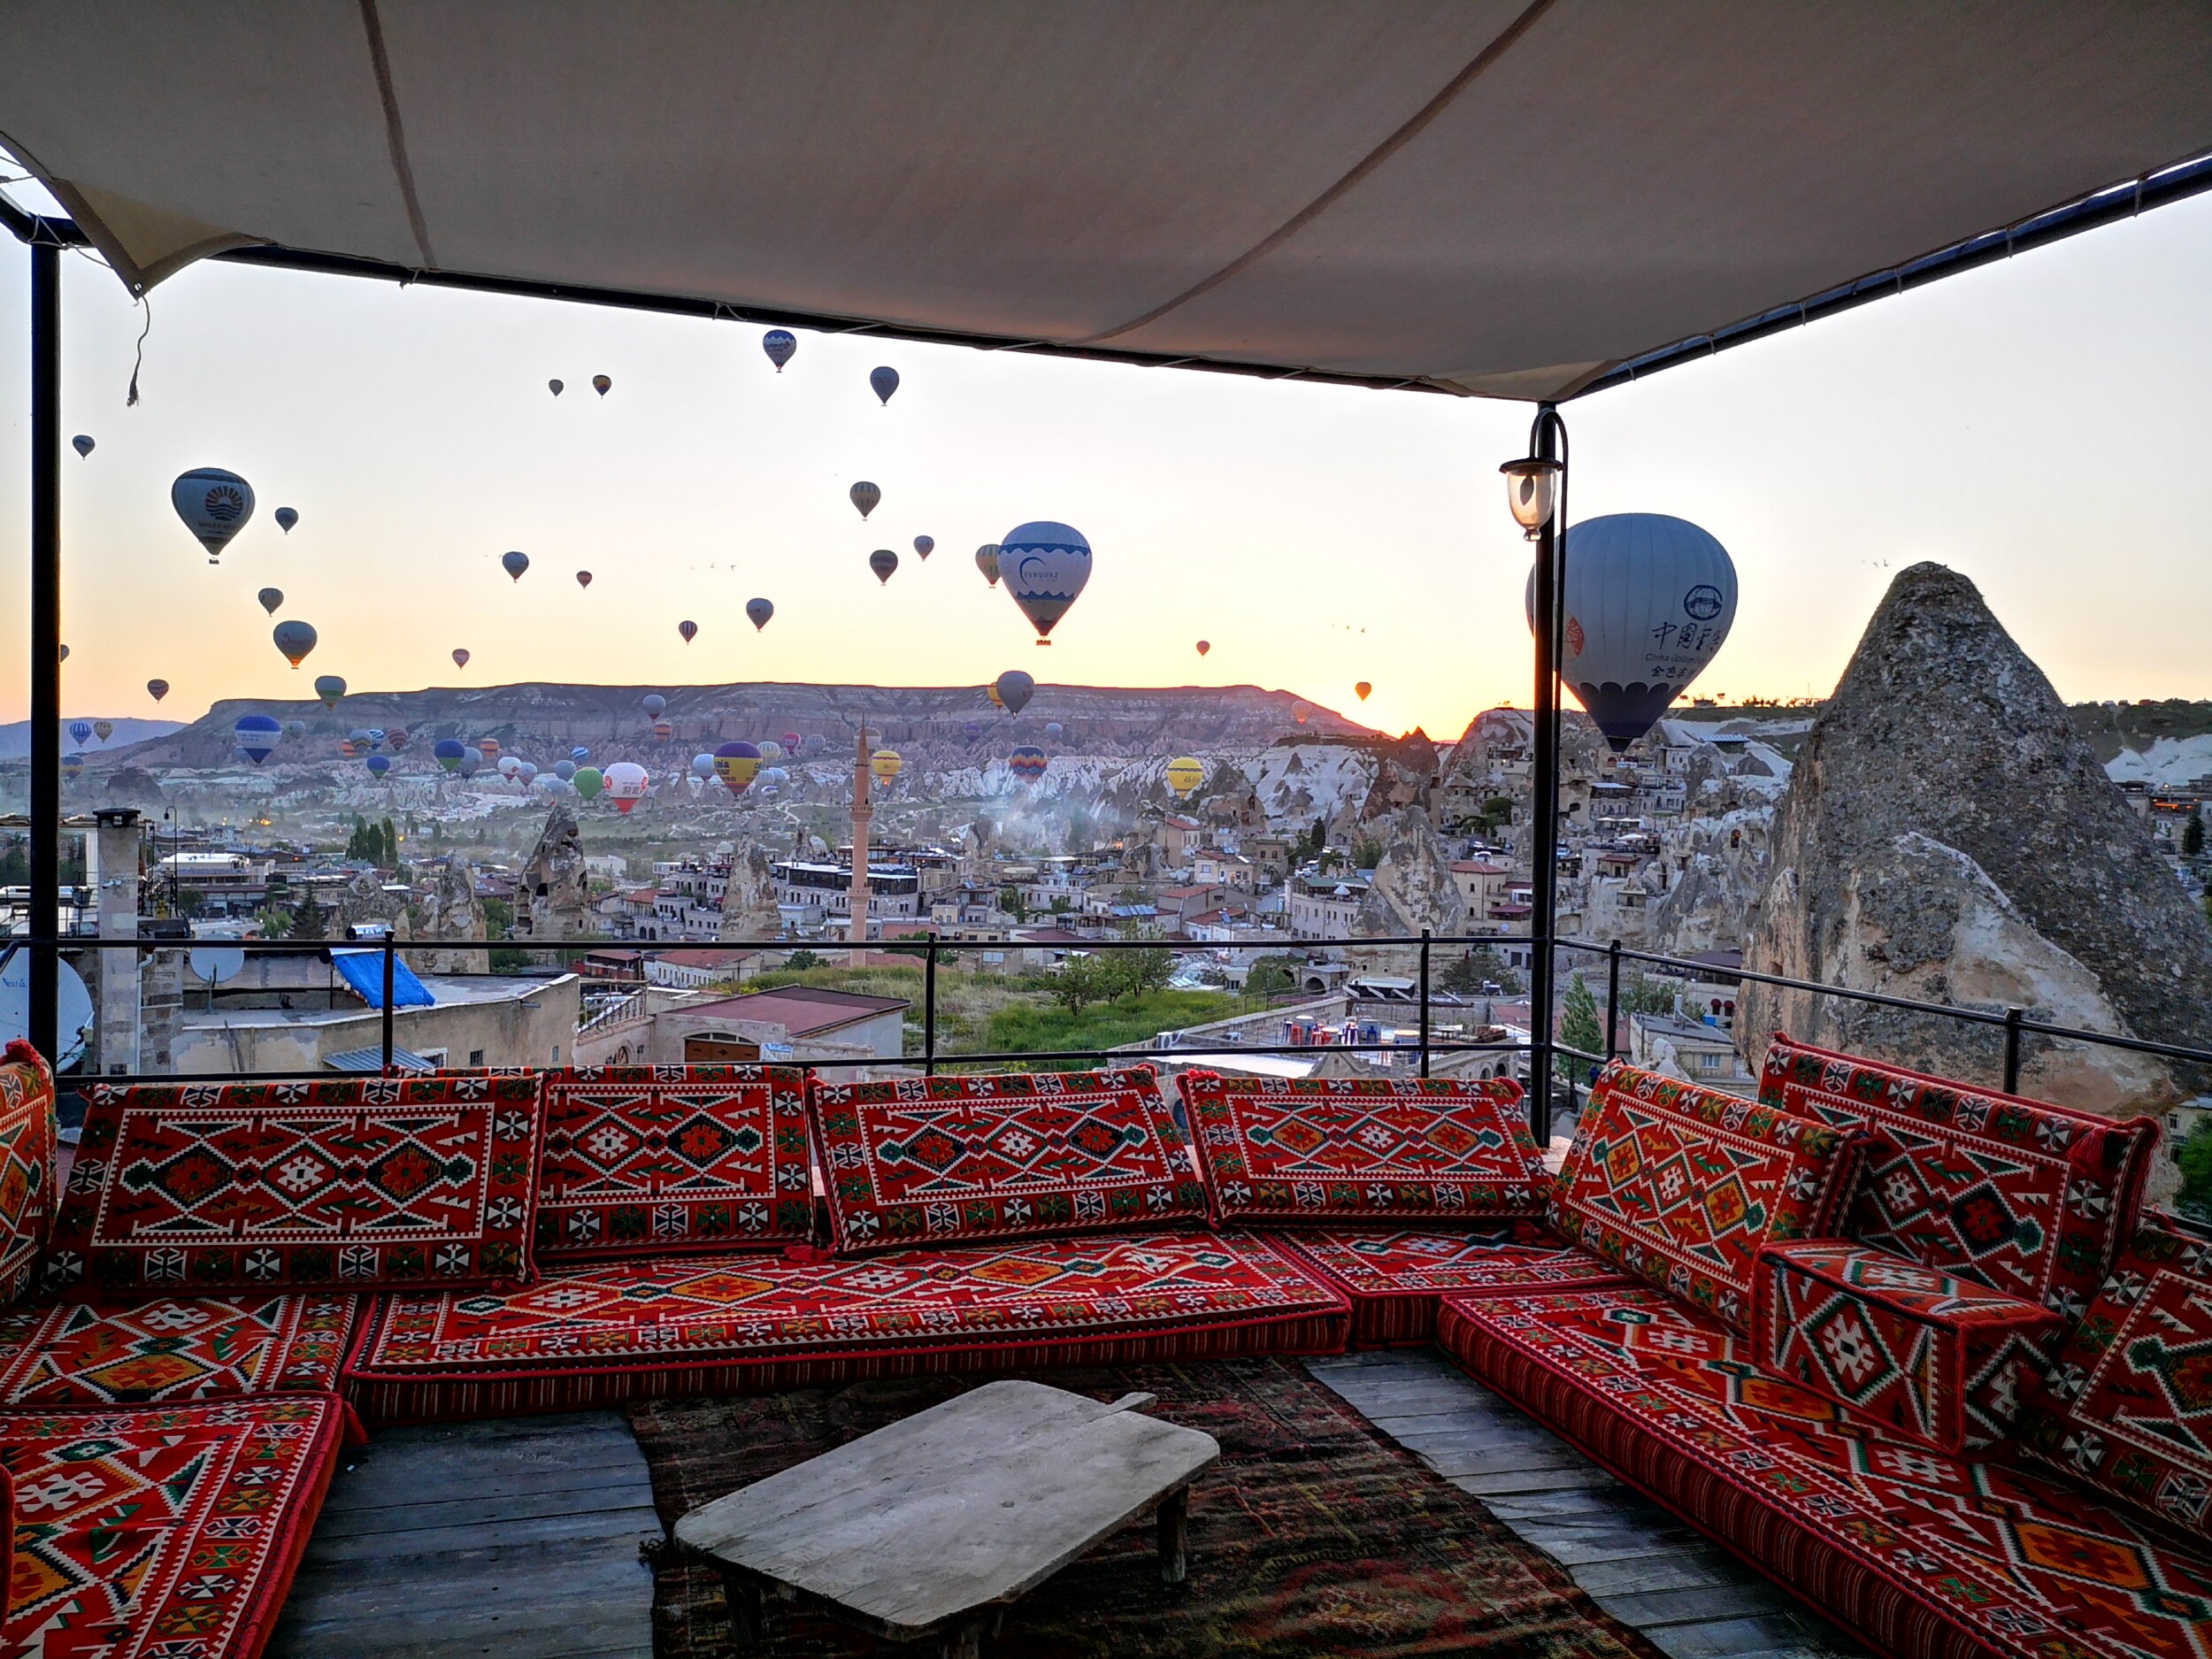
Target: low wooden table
{"points": [[927, 1530]]}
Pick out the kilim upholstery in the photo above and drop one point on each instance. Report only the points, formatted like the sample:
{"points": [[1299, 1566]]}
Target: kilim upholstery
{"points": [[1395, 1278], [27, 1166], [166, 1350]]}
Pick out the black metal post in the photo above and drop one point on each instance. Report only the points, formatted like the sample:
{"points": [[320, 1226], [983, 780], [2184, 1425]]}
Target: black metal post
{"points": [[44, 1002], [1612, 995], [2012, 1050], [391, 955], [929, 1009], [1544, 796], [1424, 1001]]}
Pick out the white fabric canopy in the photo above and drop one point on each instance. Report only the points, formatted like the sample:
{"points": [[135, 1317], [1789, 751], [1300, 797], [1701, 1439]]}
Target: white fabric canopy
{"points": [[1482, 196]]}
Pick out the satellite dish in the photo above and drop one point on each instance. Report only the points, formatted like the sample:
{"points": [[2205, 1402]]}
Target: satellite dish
{"points": [[72, 1015], [215, 964]]}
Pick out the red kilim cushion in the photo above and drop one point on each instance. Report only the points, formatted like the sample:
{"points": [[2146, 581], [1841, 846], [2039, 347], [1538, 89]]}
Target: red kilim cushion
{"points": [[277, 1186], [1932, 1356], [2128, 1405], [664, 1158], [27, 1165], [161, 1533], [957, 1159], [746, 1322], [2029, 1198], [174, 1348], [1914, 1550], [1681, 1184], [1395, 1279], [1363, 1149]]}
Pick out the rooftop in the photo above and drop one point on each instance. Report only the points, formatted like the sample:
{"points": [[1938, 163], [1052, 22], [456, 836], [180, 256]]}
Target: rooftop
{"points": [[804, 1010]]}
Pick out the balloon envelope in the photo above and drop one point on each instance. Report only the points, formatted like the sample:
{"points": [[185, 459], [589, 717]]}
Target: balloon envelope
{"points": [[104, 729], [580, 754], [1204, 646], [601, 384], [81, 444], [757, 611], [460, 659], [294, 639], [770, 750], [554, 387], [864, 497], [81, 730], [509, 765], [924, 545], [1045, 565], [471, 761], [1649, 599], [791, 741], [214, 505], [702, 766], [663, 730], [1027, 764], [73, 766], [583, 579], [489, 747], [1015, 689], [329, 687], [1361, 689], [883, 561], [157, 689], [626, 783], [256, 736], [514, 563], [813, 745], [380, 765], [271, 598], [653, 703], [971, 730], [886, 381], [736, 765], [1054, 730], [987, 561], [886, 763], [589, 781], [285, 518], [688, 630], [447, 751], [780, 344], [1184, 773]]}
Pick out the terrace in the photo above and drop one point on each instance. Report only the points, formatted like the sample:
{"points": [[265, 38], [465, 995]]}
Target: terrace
{"points": [[1558, 225]]}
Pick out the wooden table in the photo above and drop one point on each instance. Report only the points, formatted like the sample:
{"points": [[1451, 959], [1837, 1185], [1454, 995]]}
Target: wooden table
{"points": [[927, 1530]]}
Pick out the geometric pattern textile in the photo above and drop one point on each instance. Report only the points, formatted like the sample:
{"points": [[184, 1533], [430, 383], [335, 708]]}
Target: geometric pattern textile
{"points": [[1916, 1551], [742, 1323], [2029, 1198], [968, 1159], [1681, 1184], [1363, 1149], [174, 1348], [1395, 1279], [1934, 1356], [279, 1186], [2127, 1407], [161, 1533], [662, 1158], [27, 1165]]}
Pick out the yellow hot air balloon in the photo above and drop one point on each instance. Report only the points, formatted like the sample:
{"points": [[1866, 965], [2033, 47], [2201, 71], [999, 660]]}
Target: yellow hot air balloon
{"points": [[991, 691], [885, 763], [1184, 773], [1361, 689]]}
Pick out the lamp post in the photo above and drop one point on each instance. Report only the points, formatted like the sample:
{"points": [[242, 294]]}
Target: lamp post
{"points": [[1536, 490]]}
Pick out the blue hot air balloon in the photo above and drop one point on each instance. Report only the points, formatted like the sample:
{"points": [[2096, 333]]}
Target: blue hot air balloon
{"points": [[883, 561], [757, 611], [471, 760], [702, 766], [285, 518], [924, 545], [970, 730], [781, 345], [1045, 566], [1649, 599], [379, 764], [563, 769], [1053, 730], [514, 563], [81, 730], [72, 767], [256, 736], [447, 752], [653, 703], [580, 754], [886, 381]]}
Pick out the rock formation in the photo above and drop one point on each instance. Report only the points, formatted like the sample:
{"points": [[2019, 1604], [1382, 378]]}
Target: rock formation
{"points": [[1405, 775], [1948, 834], [1412, 888], [554, 883], [450, 912], [748, 898]]}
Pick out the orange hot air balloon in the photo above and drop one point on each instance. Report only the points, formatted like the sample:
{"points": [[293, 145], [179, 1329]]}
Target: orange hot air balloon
{"points": [[1204, 646], [1361, 690]]}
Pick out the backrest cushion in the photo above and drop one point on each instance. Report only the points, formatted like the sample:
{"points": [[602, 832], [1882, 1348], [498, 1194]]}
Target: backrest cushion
{"points": [[1363, 1149], [655, 1160], [27, 1166], [2023, 1196], [361, 1185], [1681, 1184], [1017, 1155], [2128, 1405]]}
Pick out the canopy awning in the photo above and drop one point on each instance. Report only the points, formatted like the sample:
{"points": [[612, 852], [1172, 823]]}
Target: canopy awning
{"points": [[1487, 196], [364, 971]]}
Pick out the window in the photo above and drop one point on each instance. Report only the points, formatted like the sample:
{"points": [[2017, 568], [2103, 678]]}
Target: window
{"points": [[476, 1057]]}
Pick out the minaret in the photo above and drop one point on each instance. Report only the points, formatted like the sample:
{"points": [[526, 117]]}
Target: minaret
{"points": [[862, 812]]}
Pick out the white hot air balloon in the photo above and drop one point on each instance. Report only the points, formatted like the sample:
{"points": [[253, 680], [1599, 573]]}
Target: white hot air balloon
{"points": [[1045, 566], [1649, 599], [214, 505]]}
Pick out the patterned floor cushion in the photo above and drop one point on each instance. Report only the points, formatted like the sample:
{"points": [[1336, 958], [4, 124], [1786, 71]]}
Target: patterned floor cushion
{"points": [[969, 1159], [672, 1158], [2029, 1198], [27, 1165], [1940, 1358], [174, 1348], [743, 1323], [161, 1533], [1364, 1149], [1681, 1184], [1395, 1277], [2128, 1404], [1915, 1551], [301, 1186]]}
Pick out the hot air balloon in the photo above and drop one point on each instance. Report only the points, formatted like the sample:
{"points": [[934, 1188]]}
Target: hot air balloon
{"points": [[296, 728], [460, 658], [65, 654], [379, 764], [1299, 711], [527, 771], [396, 740], [1204, 646], [1649, 599], [602, 385], [294, 639], [509, 767], [104, 729], [1015, 689], [1361, 689], [366, 738], [514, 563], [81, 730], [780, 344], [1184, 773], [271, 598], [663, 730], [1045, 565], [886, 763], [736, 764], [653, 702], [883, 561], [770, 750], [886, 381], [256, 736], [563, 769], [580, 754], [626, 783], [471, 761], [970, 730], [688, 630], [285, 518], [157, 689], [447, 751], [702, 766], [589, 781], [864, 497], [1027, 764], [81, 444], [991, 692], [583, 579], [489, 747], [987, 561], [72, 767], [924, 545], [554, 387], [774, 777], [1053, 730], [791, 741], [214, 505], [329, 687], [757, 611], [814, 745]]}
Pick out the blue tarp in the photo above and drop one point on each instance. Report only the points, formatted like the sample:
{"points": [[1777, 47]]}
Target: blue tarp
{"points": [[364, 971]]}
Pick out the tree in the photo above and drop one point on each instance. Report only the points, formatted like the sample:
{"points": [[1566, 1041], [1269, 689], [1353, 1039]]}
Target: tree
{"points": [[499, 918], [1270, 976], [1081, 981], [308, 921], [1010, 900], [1479, 967], [1367, 854], [275, 922], [1496, 811], [2195, 1158], [388, 846], [800, 960], [2192, 836], [1579, 1025], [1131, 975]]}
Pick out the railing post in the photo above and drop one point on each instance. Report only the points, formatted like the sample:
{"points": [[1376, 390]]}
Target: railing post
{"points": [[2012, 1050], [43, 1007], [1612, 995], [390, 957], [929, 1009], [1424, 1001]]}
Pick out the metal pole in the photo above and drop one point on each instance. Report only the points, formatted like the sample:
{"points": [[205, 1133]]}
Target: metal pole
{"points": [[1544, 797], [1612, 995], [2012, 1050], [391, 955], [929, 1009], [45, 918], [1424, 1001]]}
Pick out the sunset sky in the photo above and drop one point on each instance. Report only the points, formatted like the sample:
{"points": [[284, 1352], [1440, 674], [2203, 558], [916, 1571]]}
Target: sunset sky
{"points": [[2042, 425]]}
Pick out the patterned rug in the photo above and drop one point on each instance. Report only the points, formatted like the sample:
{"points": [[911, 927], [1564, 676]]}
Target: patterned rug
{"points": [[1311, 1535]]}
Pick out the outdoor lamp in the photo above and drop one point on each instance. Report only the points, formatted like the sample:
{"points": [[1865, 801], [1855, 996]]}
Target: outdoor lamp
{"points": [[1529, 483]]}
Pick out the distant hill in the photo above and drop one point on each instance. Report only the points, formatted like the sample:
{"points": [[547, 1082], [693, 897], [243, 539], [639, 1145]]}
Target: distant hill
{"points": [[15, 741]]}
